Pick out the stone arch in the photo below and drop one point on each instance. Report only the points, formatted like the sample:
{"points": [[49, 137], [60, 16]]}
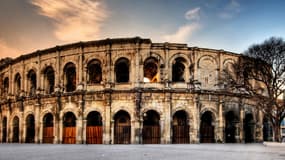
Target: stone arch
{"points": [[70, 76], [207, 57], [121, 109], [17, 83], [48, 74], [30, 128], [267, 129], [180, 127], [122, 70], [69, 128], [151, 127], [122, 127], [207, 127], [48, 120], [228, 68], [94, 71], [181, 58], [210, 109], [32, 82], [151, 70], [44, 112], [231, 122], [87, 111], [156, 56], [15, 129], [207, 72], [187, 110], [5, 86], [94, 128], [72, 109], [249, 127], [159, 111], [4, 122]]}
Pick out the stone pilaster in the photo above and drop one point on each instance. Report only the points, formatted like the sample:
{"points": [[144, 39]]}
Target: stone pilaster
{"points": [[221, 123]]}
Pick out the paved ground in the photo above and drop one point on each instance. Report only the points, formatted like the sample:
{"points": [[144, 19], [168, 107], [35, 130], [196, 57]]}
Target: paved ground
{"points": [[141, 152]]}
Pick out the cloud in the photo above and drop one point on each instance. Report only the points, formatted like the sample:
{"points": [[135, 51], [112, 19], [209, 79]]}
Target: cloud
{"points": [[183, 33], [230, 10], [193, 14], [73, 19], [7, 51]]}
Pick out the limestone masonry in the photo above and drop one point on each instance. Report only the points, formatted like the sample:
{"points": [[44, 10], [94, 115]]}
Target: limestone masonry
{"points": [[124, 91]]}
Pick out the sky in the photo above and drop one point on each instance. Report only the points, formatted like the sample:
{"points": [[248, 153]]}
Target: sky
{"points": [[232, 25]]}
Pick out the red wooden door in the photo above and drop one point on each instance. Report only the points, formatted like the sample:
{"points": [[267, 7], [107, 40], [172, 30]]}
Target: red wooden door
{"points": [[69, 135], [48, 135], [94, 135]]}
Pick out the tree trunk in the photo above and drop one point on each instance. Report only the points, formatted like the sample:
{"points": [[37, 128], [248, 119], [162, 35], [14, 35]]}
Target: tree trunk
{"points": [[277, 134]]}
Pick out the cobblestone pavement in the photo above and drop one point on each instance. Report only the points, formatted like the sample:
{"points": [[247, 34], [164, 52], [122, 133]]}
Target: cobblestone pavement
{"points": [[141, 152]]}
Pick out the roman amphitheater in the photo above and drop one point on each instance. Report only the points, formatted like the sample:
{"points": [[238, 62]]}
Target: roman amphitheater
{"points": [[125, 91]]}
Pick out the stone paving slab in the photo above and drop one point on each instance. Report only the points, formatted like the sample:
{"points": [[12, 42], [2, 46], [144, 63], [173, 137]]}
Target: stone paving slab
{"points": [[141, 152]]}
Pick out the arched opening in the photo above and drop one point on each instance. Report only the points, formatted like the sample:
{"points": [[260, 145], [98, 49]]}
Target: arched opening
{"points": [[30, 130], [94, 130], [69, 128], [122, 128], [122, 70], [70, 77], [178, 70], [17, 84], [32, 85], [16, 129], [48, 128], [4, 130], [207, 128], [94, 72], [180, 128], [249, 128], [151, 127], [267, 130], [49, 80], [230, 129], [150, 70], [6, 86]]}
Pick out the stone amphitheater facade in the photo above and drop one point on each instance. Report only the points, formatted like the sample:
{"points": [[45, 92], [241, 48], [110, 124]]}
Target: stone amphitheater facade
{"points": [[121, 91]]}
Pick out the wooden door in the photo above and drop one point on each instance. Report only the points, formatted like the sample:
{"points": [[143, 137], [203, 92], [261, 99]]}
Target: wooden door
{"points": [[69, 135], [48, 135], [94, 135]]}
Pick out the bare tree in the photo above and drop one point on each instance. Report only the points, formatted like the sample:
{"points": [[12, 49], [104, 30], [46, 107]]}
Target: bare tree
{"points": [[261, 74]]}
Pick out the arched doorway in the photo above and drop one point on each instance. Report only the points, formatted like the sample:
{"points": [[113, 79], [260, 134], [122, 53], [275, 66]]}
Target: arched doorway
{"points": [[150, 69], [30, 130], [70, 77], [230, 128], [94, 128], [16, 129], [207, 128], [122, 128], [267, 130], [48, 128], [178, 70], [180, 128], [122, 70], [4, 130], [248, 128], [151, 127], [69, 128]]}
